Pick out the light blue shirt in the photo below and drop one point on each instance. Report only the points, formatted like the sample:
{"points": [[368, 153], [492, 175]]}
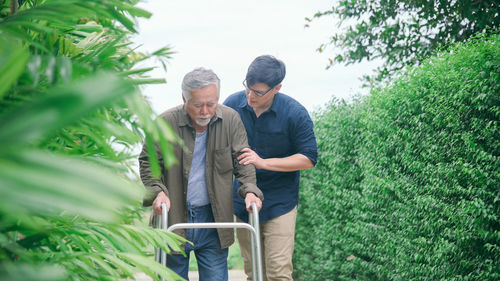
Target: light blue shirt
{"points": [[197, 194]]}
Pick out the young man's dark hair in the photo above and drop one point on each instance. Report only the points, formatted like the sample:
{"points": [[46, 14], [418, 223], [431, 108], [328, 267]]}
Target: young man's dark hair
{"points": [[266, 69]]}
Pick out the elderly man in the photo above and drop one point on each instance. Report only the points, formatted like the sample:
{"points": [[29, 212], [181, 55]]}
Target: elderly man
{"points": [[199, 187]]}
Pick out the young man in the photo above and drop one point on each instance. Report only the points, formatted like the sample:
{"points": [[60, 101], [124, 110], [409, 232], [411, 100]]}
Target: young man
{"points": [[198, 188], [282, 142]]}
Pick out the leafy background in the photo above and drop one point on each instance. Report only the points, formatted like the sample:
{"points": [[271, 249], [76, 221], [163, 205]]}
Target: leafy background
{"points": [[401, 33], [410, 176], [71, 114]]}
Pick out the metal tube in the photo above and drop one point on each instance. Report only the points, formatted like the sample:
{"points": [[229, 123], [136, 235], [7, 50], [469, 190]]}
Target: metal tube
{"points": [[157, 250], [253, 246], [258, 252], [164, 225], [256, 255], [253, 228], [212, 225]]}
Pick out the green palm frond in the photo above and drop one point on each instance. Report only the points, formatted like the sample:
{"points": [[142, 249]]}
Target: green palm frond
{"points": [[71, 120], [62, 106], [33, 181], [13, 59], [59, 16]]}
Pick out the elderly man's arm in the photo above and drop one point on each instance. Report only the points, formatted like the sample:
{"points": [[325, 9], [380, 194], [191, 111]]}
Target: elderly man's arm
{"points": [[245, 174], [156, 191]]}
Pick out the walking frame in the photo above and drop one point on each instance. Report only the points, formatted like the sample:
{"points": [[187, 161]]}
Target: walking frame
{"points": [[253, 227]]}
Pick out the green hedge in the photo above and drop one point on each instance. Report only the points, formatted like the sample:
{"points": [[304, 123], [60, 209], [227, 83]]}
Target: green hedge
{"points": [[407, 183]]}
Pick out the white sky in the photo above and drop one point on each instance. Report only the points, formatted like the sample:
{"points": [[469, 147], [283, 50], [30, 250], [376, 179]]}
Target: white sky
{"points": [[226, 35]]}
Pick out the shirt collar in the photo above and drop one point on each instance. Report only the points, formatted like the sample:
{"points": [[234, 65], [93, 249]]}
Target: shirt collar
{"points": [[243, 102], [273, 108]]}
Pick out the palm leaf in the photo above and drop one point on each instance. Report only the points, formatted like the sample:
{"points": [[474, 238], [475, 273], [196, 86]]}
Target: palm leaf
{"points": [[62, 106], [13, 59], [62, 183], [151, 269], [29, 272], [67, 134]]}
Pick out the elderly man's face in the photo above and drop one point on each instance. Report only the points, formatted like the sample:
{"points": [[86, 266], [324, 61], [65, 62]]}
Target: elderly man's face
{"points": [[202, 105]]}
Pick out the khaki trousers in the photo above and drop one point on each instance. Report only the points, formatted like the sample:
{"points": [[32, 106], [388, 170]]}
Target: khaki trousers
{"points": [[277, 242]]}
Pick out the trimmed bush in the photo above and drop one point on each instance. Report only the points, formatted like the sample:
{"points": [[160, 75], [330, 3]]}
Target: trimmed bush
{"points": [[407, 183]]}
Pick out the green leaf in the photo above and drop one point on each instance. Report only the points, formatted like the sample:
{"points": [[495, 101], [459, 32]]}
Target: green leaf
{"points": [[67, 136], [61, 106], [61, 183], [13, 59], [28, 272], [150, 267], [153, 158]]}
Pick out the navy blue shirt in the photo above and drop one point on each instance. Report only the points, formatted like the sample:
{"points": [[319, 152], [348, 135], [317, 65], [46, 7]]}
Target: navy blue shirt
{"points": [[283, 130]]}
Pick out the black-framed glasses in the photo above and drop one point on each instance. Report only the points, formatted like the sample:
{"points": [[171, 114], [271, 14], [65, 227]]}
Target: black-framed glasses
{"points": [[257, 93]]}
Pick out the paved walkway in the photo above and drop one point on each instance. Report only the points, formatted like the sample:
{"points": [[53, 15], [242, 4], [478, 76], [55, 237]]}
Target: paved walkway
{"points": [[234, 275]]}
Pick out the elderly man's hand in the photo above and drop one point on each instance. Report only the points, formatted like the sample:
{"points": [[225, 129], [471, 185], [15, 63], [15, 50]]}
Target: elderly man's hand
{"points": [[252, 198], [160, 198]]}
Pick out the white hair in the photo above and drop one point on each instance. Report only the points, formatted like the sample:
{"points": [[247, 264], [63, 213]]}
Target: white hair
{"points": [[197, 79]]}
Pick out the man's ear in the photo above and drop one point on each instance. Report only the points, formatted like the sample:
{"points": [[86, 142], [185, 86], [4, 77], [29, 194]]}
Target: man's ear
{"points": [[277, 87]]}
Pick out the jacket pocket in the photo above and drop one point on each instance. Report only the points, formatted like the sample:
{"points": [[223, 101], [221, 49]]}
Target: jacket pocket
{"points": [[223, 160]]}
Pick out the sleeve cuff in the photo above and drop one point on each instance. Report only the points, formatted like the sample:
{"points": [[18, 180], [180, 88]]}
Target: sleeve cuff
{"points": [[250, 187], [152, 192]]}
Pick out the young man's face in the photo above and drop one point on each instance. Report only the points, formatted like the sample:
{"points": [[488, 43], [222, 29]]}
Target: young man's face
{"points": [[201, 106], [257, 101]]}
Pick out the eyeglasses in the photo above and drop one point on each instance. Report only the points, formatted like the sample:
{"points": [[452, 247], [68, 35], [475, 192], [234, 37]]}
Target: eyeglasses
{"points": [[257, 93]]}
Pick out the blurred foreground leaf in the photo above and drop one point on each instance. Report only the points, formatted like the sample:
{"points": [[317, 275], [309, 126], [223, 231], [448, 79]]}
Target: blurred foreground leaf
{"points": [[32, 181], [63, 105]]}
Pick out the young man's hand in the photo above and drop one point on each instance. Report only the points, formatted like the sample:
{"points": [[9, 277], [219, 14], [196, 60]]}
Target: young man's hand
{"points": [[249, 156]]}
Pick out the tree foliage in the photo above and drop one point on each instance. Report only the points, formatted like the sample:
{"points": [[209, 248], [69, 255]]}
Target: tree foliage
{"points": [[71, 115], [403, 32], [406, 184]]}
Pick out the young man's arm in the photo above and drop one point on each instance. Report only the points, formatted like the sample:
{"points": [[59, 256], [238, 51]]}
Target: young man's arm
{"points": [[305, 149], [291, 163]]}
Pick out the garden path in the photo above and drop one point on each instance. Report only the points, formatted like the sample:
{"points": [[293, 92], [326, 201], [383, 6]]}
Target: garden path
{"points": [[234, 275]]}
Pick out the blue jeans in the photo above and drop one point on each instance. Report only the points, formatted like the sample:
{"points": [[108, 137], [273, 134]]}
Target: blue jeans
{"points": [[212, 260]]}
